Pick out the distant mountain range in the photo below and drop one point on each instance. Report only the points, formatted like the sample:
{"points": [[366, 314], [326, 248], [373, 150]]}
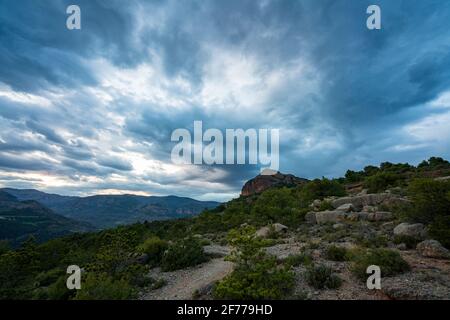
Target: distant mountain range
{"points": [[105, 211], [20, 219]]}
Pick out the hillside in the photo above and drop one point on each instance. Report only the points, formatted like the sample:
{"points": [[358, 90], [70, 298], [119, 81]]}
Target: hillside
{"points": [[105, 211], [309, 241], [21, 219]]}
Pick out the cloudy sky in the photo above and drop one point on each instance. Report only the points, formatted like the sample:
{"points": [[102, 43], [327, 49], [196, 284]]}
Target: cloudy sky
{"points": [[91, 111]]}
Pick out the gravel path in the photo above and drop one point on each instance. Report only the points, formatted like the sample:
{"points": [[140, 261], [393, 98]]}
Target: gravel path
{"points": [[181, 284]]}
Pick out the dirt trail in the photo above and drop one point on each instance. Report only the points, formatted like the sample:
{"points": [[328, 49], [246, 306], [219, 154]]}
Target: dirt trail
{"points": [[181, 284]]}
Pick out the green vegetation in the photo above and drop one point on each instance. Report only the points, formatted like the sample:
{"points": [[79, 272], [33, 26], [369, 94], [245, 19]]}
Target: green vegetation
{"points": [[322, 277], [335, 253], [256, 275], [4, 247], [114, 257], [389, 261], [379, 182], [387, 175], [154, 247], [182, 254], [298, 259], [103, 287], [321, 188], [410, 242], [431, 205]]}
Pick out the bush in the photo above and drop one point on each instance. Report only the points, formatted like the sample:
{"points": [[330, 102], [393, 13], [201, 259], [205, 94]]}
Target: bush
{"points": [[256, 274], [4, 247], [103, 287], [182, 254], [335, 253], [440, 230], [390, 262], [431, 205], [321, 188], [277, 205], [259, 278], [409, 241], [155, 248], [296, 260], [322, 277], [379, 182]]}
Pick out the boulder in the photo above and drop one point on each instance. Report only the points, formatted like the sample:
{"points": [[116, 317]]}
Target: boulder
{"points": [[347, 207], [379, 216], [330, 216], [279, 228], [264, 232], [433, 249], [339, 226], [415, 230], [310, 217], [217, 250], [362, 200]]}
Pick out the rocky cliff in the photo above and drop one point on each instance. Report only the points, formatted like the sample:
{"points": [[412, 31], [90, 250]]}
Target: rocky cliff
{"points": [[263, 182]]}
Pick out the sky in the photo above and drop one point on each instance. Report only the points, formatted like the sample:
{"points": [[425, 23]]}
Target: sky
{"points": [[91, 111]]}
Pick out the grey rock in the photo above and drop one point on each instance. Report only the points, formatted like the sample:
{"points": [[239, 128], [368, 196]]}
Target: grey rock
{"points": [[362, 200], [264, 232], [217, 250], [379, 216], [416, 230], [433, 249], [330, 216], [347, 207], [310, 218]]}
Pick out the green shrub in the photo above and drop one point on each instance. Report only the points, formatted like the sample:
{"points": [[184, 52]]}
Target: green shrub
{"points": [[4, 247], [182, 254], [103, 287], [379, 182], [277, 205], [431, 205], [389, 261], [319, 189], [409, 241], [296, 260], [325, 206], [440, 230], [256, 274], [322, 277], [335, 253], [259, 278], [155, 248], [372, 240]]}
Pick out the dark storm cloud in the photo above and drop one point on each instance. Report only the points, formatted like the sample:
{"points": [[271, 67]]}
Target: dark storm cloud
{"points": [[346, 108]]}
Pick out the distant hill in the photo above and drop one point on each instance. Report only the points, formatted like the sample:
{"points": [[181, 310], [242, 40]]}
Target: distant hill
{"points": [[104, 211], [20, 219]]}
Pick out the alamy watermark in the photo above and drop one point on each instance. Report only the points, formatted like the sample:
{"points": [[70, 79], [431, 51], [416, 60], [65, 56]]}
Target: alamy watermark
{"points": [[74, 280], [236, 146]]}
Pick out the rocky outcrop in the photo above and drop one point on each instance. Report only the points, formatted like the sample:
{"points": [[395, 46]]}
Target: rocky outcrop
{"points": [[379, 216], [329, 216], [415, 230], [361, 201], [263, 182], [276, 228], [433, 249]]}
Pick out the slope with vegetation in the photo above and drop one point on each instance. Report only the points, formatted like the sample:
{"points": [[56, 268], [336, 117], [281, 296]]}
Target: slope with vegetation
{"points": [[288, 257]]}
